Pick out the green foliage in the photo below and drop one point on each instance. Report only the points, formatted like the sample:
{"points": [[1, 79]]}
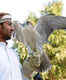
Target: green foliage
{"points": [[54, 8], [56, 50], [21, 49], [32, 18]]}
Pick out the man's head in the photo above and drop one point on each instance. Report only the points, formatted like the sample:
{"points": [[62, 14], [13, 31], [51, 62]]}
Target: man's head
{"points": [[6, 27]]}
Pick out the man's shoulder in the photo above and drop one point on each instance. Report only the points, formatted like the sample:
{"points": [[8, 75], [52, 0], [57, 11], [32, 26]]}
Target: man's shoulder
{"points": [[2, 51], [3, 56], [2, 48]]}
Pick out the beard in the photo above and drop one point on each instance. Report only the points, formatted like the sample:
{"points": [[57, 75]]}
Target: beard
{"points": [[7, 38], [6, 32]]}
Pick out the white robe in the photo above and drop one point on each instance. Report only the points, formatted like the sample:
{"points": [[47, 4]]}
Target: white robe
{"points": [[10, 68]]}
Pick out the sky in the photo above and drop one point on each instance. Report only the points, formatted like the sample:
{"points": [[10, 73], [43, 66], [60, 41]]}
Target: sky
{"points": [[20, 9]]}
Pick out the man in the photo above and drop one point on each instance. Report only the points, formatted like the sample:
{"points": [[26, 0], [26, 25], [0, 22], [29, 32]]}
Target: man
{"points": [[10, 68]]}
